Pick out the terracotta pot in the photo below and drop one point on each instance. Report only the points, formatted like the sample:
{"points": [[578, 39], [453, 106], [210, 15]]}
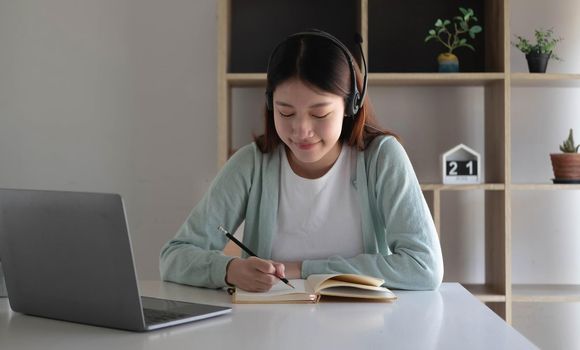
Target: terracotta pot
{"points": [[566, 165]]}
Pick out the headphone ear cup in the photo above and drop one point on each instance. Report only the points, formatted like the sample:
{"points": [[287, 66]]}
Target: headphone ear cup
{"points": [[352, 104]]}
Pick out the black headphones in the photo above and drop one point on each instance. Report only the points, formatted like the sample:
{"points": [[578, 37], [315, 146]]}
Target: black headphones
{"points": [[355, 99]]}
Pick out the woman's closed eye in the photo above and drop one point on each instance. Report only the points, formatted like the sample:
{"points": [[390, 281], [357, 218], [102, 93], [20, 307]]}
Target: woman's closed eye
{"points": [[318, 116], [314, 115], [286, 115], [321, 116]]}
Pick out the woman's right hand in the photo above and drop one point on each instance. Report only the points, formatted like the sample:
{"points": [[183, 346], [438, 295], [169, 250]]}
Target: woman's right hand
{"points": [[254, 274]]}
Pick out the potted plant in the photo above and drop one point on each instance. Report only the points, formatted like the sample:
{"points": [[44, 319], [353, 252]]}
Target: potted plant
{"points": [[538, 54], [566, 165], [454, 38]]}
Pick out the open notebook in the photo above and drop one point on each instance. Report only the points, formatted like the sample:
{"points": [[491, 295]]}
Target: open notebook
{"points": [[311, 289]]}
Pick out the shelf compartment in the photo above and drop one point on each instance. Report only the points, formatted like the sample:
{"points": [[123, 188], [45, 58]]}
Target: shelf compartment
{"points": [[249, 46], [485, 293], [545, 80], [539, 293], [389, 50], [544, 187], [469, 187]]}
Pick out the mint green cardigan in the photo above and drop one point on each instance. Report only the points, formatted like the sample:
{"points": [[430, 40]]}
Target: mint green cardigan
{"points": [[399, 238]]}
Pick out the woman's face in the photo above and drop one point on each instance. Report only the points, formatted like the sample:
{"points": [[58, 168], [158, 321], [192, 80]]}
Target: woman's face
{"points": [[309, 122]]}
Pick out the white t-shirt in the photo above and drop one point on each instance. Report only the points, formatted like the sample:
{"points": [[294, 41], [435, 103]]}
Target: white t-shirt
{"points": [[318, 218]]}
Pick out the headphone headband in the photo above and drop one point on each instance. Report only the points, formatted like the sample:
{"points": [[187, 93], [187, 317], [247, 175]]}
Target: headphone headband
{"points": [[354, 99]]}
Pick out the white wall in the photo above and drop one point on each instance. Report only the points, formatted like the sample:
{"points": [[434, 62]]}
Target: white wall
{"points": [[120, 96], [112, 96]]}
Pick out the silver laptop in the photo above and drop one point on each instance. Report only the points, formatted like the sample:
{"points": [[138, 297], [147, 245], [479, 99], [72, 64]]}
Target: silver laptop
{"points": [[67, 256]]}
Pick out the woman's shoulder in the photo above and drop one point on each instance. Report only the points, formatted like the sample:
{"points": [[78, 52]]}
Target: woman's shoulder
{"points": [[250, 155], [385, 153], [383, 145], [245, 152]]}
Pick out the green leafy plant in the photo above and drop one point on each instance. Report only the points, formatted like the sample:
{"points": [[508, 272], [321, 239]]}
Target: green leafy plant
{"points": [[568, 145], [545, 43], [461, 27]]}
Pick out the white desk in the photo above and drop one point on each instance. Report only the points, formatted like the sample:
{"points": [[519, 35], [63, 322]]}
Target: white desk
{"points": [[449, 318]]}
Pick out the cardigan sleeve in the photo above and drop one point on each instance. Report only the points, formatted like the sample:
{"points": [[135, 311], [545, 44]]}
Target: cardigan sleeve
{"points": [[195, 255], [409, 255]]}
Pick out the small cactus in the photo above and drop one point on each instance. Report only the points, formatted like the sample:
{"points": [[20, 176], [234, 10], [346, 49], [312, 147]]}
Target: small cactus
{"points": [[568, 145]]}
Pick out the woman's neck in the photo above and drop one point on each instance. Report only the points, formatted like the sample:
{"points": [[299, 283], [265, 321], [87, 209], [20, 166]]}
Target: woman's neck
{"points": [[315, 169]]}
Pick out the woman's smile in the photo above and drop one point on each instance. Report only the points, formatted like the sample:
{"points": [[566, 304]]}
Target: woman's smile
{"points": [[306, 145]]}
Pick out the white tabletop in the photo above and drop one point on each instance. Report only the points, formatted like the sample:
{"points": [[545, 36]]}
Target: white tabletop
{"points": [[450, 318]]}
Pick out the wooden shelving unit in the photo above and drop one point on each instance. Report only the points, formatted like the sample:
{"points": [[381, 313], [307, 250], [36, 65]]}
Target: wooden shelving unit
{"points": [[545, 80], [442, 187], [534, 293], [390, 79], [434, 79], [544, 187], [246, 79], [497, 81], [485, 293]]}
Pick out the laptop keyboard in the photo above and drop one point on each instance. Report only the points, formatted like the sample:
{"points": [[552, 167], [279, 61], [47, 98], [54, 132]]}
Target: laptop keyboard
{"points": [[153, 316]]}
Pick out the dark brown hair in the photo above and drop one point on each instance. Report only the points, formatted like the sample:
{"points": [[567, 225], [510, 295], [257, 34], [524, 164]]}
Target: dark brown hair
{"points": [[318, 62]]}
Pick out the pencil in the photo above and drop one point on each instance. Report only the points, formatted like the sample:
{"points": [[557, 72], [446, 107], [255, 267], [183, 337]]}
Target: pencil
{"points": [[247, 250]]}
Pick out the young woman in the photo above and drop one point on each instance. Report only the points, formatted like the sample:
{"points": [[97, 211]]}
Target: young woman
{"points": [[323, 190]]}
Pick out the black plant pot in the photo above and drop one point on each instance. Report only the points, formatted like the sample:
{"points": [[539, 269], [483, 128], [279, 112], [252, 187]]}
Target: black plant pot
{"points": [[538, 62]]}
